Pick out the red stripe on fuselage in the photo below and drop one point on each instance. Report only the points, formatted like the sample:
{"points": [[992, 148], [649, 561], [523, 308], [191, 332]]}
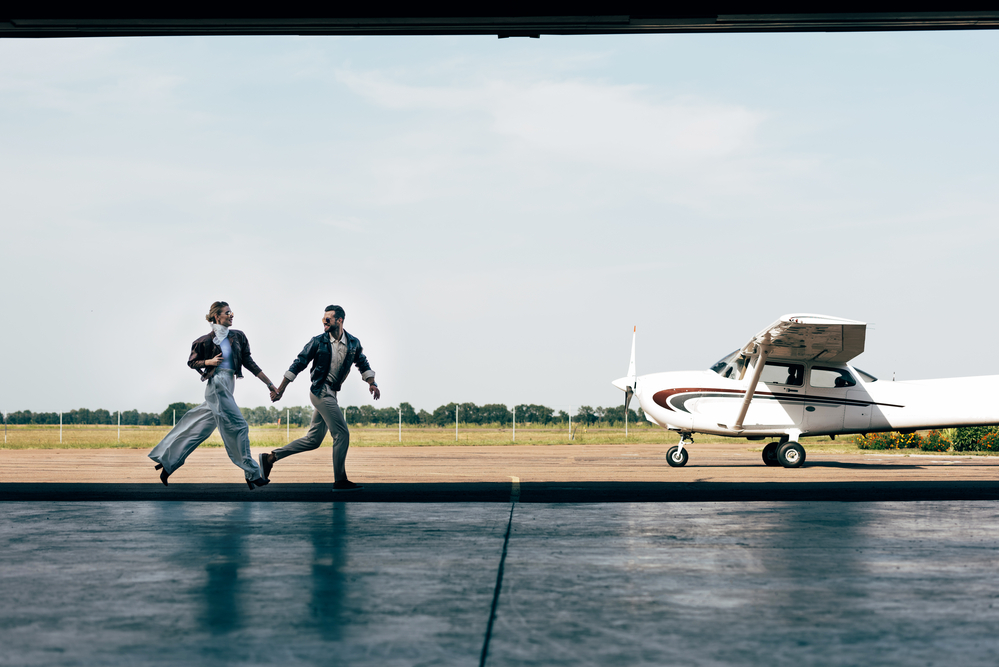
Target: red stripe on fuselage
{"points": [[661, 398]]}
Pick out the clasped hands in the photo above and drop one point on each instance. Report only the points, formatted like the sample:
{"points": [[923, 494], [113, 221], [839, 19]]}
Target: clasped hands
{"points": [[276, 394]]}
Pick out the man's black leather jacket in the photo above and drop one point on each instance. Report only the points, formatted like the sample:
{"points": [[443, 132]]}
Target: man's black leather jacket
{"points": [[320, 352]]}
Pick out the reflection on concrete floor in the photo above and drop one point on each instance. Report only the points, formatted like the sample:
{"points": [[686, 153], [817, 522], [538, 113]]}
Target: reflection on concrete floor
{"points": [[406, 584]]}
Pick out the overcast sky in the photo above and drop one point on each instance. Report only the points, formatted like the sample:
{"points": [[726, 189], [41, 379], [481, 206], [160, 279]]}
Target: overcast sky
{"points": [[494, 215]]}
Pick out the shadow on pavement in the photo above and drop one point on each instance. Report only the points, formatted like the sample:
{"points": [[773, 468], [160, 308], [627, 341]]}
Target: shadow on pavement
{"points": [[530, 492]]}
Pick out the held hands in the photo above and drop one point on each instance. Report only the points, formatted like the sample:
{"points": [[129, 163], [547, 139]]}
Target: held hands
{"points": [[214, 361], [276, 395], [373, 388]]}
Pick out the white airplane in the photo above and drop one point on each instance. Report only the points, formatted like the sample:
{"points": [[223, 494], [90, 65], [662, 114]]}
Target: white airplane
{"points": [[793, 379]]}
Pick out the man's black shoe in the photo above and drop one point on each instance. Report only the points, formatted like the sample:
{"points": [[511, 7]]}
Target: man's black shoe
{"points": [[266, 463]]}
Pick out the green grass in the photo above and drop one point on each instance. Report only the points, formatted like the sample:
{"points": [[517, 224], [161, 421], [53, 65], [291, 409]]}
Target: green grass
{"points": [[146, 437]]}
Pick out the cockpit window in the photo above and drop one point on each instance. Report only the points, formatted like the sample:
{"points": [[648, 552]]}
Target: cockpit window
{"points": [[828, 378], [776, 372], [730, 366]]}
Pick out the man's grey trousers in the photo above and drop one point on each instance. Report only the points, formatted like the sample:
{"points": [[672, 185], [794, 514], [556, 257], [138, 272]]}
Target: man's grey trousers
{"points": [[218, 411], [327, 416]]}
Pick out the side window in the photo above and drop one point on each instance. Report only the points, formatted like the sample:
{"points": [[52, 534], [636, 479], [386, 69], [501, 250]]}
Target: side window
{"points": [[782, 373], [827, 378]]}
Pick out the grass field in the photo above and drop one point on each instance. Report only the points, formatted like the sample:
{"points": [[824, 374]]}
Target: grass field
{"points": [[146, 437]]}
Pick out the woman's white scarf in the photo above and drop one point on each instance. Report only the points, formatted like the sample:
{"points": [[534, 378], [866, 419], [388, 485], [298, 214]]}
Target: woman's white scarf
{"points": [[220, 333]]}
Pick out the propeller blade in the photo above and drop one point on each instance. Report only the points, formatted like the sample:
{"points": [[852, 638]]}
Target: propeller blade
{"points": [[631, 364], [628, 393]]}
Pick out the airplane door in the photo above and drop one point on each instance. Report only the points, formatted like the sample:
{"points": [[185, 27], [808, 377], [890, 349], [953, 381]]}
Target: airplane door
{"points": [[784, 381], [825, 404]]}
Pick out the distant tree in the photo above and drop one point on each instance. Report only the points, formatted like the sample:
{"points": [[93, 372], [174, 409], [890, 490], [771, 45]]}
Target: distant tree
{"points": [[494, 413], [586, 415], [409, 415], [300, 415], [425, 417], [166, 417], [468, 413], [78, 416], [368, 414], [259, 416], [534, 414], [563, 416], [45, 418], [615, 416], [388, 415], [352, 414], [444, 415], [21, 417]]}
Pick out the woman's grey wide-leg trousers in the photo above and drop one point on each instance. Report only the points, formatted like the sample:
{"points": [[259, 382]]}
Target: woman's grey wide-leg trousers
{"points": [[218, 411]]}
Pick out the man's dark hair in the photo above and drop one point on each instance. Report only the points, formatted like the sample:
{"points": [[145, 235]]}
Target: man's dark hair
{"points": [[339, 314]]}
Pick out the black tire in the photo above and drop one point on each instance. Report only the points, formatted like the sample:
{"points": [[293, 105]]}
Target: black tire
{"points": [[791, 455], [770, 454], [676, 458]]}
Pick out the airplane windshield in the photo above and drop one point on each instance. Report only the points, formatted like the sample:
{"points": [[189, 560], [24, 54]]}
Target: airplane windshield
{"points": [[867, 376], [730, 366]]}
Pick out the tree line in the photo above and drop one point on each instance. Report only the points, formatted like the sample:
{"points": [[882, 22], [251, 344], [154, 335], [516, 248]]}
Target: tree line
{"points": [[490, 414]]}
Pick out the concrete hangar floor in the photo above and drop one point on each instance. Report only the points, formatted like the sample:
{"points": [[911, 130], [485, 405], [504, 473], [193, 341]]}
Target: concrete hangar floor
{"points": [[521, 572]]}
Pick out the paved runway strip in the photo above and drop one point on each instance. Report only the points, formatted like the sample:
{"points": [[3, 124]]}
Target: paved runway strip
{"points": [[590, 473]]}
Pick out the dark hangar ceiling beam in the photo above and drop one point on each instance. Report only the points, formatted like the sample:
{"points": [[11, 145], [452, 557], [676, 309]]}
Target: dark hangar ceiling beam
{"points": [[507, 19]]}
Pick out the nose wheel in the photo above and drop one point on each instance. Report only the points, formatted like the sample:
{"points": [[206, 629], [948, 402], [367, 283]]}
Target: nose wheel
{"points": [[677, 456]]}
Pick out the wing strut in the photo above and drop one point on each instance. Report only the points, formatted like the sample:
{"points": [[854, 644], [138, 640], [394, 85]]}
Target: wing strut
{"points": [[761, 361]]}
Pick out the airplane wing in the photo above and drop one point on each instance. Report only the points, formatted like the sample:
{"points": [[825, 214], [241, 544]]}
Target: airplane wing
{"points": [[812, 337]]}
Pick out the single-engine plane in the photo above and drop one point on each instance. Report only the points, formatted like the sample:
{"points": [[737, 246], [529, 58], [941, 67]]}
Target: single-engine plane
{"points": [[793, 379]]}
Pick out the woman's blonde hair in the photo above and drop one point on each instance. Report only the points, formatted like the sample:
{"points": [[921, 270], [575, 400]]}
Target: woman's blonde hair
{"points": [[215, 311]]}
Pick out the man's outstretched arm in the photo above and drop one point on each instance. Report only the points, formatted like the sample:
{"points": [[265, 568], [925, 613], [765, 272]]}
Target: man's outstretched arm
{"points": [[297, 366]]}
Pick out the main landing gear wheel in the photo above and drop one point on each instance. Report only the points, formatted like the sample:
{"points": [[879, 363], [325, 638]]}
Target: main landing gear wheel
{"points": [[770, 454], [676, 457], [791, 455]]}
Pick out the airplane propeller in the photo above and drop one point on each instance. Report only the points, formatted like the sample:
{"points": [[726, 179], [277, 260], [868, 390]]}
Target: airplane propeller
{"points": [[628, 384], [630, 391]]}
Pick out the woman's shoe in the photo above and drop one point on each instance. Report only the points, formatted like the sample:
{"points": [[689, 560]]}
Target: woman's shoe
{"points": [[163, 475], [260, 481]]}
